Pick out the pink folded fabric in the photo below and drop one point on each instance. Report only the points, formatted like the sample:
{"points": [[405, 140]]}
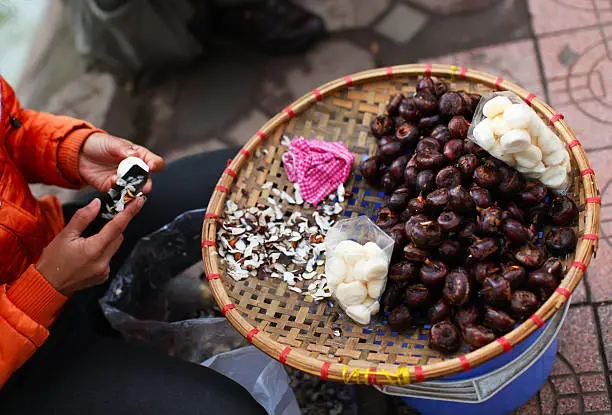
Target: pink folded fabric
{"points": [[318, 167]]}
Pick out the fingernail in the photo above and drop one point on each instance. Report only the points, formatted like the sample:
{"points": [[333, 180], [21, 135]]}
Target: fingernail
{"points": [[95, 203], [141, 201]]}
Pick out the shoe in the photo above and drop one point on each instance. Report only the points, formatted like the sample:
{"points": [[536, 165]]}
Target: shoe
{"points": [[276, 27]]}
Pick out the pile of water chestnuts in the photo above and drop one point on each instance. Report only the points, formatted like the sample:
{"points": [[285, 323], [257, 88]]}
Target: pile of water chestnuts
{"points": [[478, 247]]}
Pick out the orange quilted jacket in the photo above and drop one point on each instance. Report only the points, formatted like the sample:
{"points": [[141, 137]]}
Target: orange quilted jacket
{"points": [[34, 148]]}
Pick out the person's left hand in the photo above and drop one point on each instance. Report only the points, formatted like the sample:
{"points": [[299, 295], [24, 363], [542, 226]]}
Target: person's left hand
{"points": [[102, 153]]}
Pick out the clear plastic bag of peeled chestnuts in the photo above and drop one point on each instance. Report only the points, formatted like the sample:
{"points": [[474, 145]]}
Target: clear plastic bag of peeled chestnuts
{"points": [[358, 254], [511, 131]]}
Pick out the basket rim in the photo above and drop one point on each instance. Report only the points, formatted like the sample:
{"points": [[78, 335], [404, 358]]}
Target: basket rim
{"points": [[405, 374]]}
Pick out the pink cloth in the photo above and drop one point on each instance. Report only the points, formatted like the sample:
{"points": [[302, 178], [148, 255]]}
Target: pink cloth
{"points": [[318, 167]]}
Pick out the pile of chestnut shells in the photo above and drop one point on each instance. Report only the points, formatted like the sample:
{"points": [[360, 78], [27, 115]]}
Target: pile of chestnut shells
{"points": [[477, 246]]}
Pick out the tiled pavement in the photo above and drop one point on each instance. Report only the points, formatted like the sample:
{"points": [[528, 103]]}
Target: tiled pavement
{"points": [[558, 49]]}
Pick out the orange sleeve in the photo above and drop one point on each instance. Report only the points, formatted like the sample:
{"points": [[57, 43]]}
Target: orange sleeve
{"points": [[27, 308], [44, 147]]}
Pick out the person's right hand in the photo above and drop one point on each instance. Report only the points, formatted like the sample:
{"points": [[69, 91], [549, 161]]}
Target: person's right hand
{"points": [[71, 262]]}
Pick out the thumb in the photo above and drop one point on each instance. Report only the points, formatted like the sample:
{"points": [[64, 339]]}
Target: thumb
{"points": [[83, 217]]}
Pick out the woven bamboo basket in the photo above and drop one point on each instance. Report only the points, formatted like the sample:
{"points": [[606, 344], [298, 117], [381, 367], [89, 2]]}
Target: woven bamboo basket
{"points": [[298, 330]]}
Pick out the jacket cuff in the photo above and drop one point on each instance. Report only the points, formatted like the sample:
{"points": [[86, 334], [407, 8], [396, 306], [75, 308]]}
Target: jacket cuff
{"points": [[68, 154], [33, 295]]}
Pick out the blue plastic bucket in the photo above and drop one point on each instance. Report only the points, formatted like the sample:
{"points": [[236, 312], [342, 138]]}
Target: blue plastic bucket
{"points": [[499, 386]]}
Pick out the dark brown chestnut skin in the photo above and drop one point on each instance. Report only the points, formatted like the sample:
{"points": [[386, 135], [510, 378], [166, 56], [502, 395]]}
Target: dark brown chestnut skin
{"points": [[523, 304], [466, 232], [563, 210], [553, 266], [467, 164], [481, 197], [400, 318], [440, 311], [441, 134], [453, 150], [426, 235], [532, 193], [452, 104], [467, 314], [393, 105], [498, 320], [410, 175], [448, 177], [427, 145], [444, 337], [409, 110], [495, 291], [386, 218], [426, 181], [516, 211], [515, 275], [531, 256], [431, 85], [510, 181], [459, 200], [389, 183], [399, 240], [489, 220], [417, 205], [390, 149], [486, 176], [542, 284], [449, 221], [450, 250], [382, 126], [429, 160], [538, 214], [427, 124], [516, 232], [414, 254], [407, 134], [399, 199], [433, 273], [477, 335], [471, 147], [398, 165], [482, 249], [427, 104], [403, 271], [457, 290], [412, 220], [437, 200], [475, 100], [372, 170], [393, 295], [561, 241], [483, 270], [458, 127], [417, 296]]}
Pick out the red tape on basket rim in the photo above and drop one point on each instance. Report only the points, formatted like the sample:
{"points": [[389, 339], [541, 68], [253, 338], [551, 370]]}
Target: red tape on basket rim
{"points": [[389, 72], [289, 112], [317, 94], [590, 237], [556, 118], [229, 161], [211, 216], [498, 82], [230, 172], [462, 72], [213, 277], [227, 307], [221, 188], [505, 344], [349, 80], [428, 69], [574, 143], [529, 98], [284, 354], [579, 265], [208, 243], [595, 200], [325, 370], [251, 333], [261, 135], [245, 152], [372, 376], [537, 320], [587, 171], [564, 292], [418, 373], [465, 363]]}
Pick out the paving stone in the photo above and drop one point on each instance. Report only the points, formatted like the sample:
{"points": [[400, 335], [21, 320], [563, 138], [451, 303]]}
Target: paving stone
{"points": [[604, 313], [401, 23], [569, 405], [532, 407], [596, 403], [560, 367], [346, 14], [547, 399], [246, 127], [322, 65], [593, 383], [564, 385], [578, 342], [446, 7], [579, 296], [554, 15], [207, 145]]}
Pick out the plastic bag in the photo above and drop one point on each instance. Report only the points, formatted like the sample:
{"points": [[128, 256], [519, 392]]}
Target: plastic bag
{"points": [[158, 297], [358, 254], [511, 131], [263, 377]]}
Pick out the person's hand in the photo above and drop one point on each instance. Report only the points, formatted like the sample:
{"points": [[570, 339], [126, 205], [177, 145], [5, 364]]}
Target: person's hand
{"points": [[102, 153], [71, 262]]}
